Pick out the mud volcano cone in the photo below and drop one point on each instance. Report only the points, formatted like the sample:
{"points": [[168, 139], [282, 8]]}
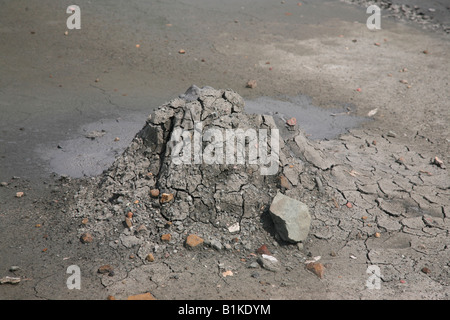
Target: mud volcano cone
{"points": [[201, 158]]}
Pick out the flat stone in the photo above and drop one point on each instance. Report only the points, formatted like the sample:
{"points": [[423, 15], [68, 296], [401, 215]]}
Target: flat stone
{"points": [[215, 244], [193, 241], [269, 263], [317, 268], [291, 218]]}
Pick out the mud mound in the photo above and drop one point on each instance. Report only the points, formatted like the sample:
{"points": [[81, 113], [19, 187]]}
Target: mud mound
{"points": [[201, 165]]}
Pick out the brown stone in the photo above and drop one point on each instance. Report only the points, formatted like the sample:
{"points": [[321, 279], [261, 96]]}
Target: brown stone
{"points": [[154, 193], [291, 122], [317, 268], [150, 258], [263, 250], [86, 238], [166, 197], [284, 183], [166, 237], [128, 223], [106, 269], [193, 241], [142, 296], [251, 84], [426, 270]]}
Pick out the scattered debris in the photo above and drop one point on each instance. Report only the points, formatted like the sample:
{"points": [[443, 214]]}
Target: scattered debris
{"points": [[166, 197], [314, 259], [227, 273], [317, 268], [95, 134], [391, 134], [106, 269], [438, 162], [372, 112], [154, 193], [251, 84], [269, 262], [291, 121], [263, 250], [9, 280], [193, 241], [166, 237], [128, 223], [20, 194], [426, 270], [234, 227], [86, 238], [142, 296]]}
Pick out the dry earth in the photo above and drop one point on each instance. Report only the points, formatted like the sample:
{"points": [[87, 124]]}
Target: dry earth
{"points": [[387, 198]]}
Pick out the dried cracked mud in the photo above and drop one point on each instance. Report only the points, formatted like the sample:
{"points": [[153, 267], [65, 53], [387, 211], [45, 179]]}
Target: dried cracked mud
{"points": [[378, 194]]}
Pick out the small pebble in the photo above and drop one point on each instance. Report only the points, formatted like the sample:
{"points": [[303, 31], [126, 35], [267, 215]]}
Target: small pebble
{"points": [[154, 193], [426, 270], [251, 84], [86, 238], [391, 134]]}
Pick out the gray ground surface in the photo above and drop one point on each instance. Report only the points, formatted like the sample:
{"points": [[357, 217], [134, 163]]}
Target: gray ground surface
{"points": [[56, 88]]}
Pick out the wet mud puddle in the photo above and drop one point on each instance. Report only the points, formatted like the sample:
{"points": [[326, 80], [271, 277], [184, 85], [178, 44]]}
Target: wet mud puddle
{"points": [[317, 123], [94, 148]]}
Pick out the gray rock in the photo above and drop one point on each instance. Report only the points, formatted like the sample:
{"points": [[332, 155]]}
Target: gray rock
{"points": [[215, 244], [291, 218], [269, 263]]}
